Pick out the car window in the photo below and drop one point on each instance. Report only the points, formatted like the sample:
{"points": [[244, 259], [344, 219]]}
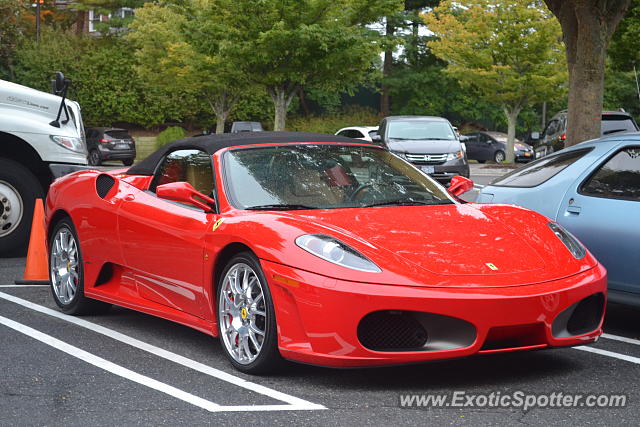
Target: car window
{"points": [[420, 130], [117, 134], [325, 177], [553, 127], [617, 178], [343, 133], [541, 170], [357, 134], [612, 123], [192, 166]]}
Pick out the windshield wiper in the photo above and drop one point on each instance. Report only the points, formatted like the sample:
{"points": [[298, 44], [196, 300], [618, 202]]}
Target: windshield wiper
{"points": [[613, 131], [403, 203], [279, 207]]}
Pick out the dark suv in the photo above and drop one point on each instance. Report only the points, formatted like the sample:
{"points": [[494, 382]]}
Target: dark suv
{"points": [[428, 142], [110, 144], [555, 133]]}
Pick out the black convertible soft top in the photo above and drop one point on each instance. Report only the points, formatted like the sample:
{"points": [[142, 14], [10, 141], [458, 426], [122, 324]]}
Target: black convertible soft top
{"points": [[212, 143]]}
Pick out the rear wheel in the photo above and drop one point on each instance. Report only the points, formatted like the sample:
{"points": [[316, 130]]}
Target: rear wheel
{"points": [[67, 274], [94, 158], [19, 189], [246, 318], [127, 162]]}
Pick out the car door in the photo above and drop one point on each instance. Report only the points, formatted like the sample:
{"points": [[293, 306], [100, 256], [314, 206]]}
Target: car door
{"points": [[602, 208], [485, 147], [472, 146], [162, 241]]}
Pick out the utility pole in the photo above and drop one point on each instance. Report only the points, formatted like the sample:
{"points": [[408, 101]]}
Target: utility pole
{"points": [[544, 114], [637, 84], [38, 2]]}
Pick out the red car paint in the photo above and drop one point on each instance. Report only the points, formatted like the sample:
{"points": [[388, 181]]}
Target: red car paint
{"points": [[434, 259]]}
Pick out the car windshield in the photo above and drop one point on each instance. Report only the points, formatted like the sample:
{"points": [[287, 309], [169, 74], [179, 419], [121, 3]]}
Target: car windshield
{"points": [[420, 130], [325, 176]]}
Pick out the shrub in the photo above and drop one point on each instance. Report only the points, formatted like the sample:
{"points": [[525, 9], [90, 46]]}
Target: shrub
{"points": [[331, 123], [172, 133]]}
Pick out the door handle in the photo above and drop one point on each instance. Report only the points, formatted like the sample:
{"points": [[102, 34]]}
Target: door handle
{"points": [[574, 210], [129, 197]]}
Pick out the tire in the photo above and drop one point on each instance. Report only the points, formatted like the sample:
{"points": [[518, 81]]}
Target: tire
{"points": [[19, 189], [499, 156], [258, 360], [127, 162], [65, 248], [94, 158]]}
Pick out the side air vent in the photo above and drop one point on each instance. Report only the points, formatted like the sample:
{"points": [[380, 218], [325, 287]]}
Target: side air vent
{"points": [[104, 183]]}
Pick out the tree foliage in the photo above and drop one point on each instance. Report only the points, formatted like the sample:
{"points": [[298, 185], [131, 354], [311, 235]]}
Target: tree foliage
{"points": [[508, 50], [283, 46], [12, 27]]}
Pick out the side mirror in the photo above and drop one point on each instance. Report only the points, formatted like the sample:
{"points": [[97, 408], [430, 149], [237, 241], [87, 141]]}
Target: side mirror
{"points": [[183, 192], [460, 185], [375, 137]]}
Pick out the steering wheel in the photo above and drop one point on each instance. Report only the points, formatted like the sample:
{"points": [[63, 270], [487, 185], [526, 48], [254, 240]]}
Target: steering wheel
{"points": [[355, 193]]}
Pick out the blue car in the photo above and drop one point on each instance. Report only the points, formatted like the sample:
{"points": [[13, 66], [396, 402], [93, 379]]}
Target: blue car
{"points": [[593, 190]]}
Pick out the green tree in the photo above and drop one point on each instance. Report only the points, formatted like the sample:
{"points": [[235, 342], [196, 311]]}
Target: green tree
{"points": [[12, 27], [507, 50], [286, 45], [587, 27], [181, 45]]}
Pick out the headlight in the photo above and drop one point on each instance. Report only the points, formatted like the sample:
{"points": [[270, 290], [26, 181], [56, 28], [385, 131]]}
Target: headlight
{"points": [[69, 142], [453, 156], [333, 250], [574, 246]]}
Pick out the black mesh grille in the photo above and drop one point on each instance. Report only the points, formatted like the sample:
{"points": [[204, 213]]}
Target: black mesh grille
{"points": [[104, 183], [391, 331], [586, 317]]}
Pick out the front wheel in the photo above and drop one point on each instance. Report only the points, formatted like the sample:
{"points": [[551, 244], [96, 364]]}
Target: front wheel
{"points": [[499, 156], [66, 272], [246, 318]]}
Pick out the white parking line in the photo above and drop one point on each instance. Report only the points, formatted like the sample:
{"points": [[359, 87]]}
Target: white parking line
{"points": [[608, 353], [621, 339], [293, 403], [25, 286]]}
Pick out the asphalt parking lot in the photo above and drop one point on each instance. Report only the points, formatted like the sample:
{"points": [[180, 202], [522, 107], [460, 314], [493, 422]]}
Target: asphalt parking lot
{"points": [[125, 368]]}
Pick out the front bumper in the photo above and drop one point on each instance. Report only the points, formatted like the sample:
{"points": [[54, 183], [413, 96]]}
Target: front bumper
{"points": [[443, 173], [318, 317], [525, 156], [111, 154]]}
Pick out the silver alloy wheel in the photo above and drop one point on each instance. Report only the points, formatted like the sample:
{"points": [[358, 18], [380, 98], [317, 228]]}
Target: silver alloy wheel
{"points": [[499, 157], [11, 208], [64, 265], [242, 313]]}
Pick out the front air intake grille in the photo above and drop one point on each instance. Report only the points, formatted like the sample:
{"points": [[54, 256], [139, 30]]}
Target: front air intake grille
{"points": [[586, 317], [104, 183], [391, 331], [427, 159]]}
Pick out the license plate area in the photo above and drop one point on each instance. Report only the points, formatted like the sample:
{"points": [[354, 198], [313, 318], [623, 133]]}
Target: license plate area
{"points": [[428, 169]]}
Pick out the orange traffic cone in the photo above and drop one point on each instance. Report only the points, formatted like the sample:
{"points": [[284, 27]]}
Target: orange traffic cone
{"points": [[37, 269]]}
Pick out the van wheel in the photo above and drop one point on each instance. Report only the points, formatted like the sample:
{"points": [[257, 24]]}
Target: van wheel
{"points": [[19, 189]]}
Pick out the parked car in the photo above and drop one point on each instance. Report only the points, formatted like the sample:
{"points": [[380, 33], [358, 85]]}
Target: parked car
{"points": [[428, 142], [246, 127], [359, 132], [110, 144], [294, 256], [554, 135], [592, 189], [483, 146]]}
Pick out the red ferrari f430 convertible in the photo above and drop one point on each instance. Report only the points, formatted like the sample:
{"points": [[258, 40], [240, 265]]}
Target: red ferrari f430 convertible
{"points": [[318, 249]]}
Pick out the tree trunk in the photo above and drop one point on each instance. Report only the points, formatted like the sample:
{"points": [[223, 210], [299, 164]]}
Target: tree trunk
{"points": [[281, 95], [587, 27], [303, 102], [512, 113], [80, 21], [385, 101], [221, 104]]}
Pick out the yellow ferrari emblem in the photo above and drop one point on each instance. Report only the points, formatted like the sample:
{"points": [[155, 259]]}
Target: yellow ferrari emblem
{"points": [[217, 224], [244, 313], [491, 266]]}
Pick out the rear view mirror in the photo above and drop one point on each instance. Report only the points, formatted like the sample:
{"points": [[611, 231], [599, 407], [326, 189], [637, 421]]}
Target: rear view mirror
{"points": [[183, 192], [460, 185]]}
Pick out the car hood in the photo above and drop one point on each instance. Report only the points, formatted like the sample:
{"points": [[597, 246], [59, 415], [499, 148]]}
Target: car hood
{"points": [[423, 146], [461, 245]]}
